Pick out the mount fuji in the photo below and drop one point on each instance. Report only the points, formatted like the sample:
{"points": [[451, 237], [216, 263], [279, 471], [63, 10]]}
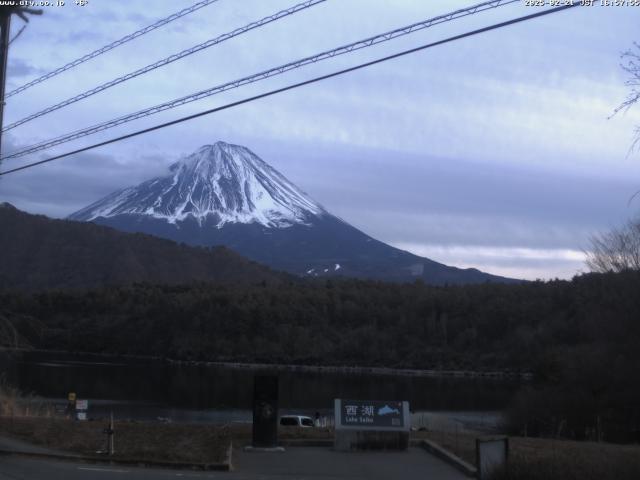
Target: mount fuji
{"points": [[224, 194]]}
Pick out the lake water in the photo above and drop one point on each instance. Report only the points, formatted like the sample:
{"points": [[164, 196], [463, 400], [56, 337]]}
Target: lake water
{"points": [[148, 390]]}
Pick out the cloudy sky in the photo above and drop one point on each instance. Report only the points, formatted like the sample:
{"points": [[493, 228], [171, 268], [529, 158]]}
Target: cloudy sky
{"points": [[496, 151]]}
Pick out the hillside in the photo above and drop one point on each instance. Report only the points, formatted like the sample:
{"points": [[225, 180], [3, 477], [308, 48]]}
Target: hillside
{"points": [[37, 252]]}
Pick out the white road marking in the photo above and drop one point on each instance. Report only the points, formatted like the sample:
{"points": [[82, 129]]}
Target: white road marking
{"points": [[193, 475], [168, 474], [111, 470]]}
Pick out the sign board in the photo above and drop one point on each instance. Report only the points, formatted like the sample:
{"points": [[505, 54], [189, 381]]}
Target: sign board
{"points": [[491, 455], [372, 415], [81, 409], [71, 397]]}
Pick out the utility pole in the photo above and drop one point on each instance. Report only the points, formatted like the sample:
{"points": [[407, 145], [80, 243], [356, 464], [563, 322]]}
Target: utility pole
{"points": [[5, 29]]}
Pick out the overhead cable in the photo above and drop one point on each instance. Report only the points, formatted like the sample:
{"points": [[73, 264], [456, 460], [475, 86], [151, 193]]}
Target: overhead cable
{"points": [[351, 47], [111, 46], [167, 61], [293, 86]]}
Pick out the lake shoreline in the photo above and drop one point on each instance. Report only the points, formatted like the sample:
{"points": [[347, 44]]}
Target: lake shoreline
{"points": [[345, 369]]}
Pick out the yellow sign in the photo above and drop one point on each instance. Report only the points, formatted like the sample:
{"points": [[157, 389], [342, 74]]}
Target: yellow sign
{"points": [[72, 397]]}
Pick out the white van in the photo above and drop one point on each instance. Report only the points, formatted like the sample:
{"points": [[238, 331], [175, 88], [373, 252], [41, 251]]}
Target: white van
{"points": [[296, 421]]}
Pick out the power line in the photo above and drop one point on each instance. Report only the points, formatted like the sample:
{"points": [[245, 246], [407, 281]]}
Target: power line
{"points": [[112, 45], [168, 60], [383, 37], [296, 85], [15, 37]]}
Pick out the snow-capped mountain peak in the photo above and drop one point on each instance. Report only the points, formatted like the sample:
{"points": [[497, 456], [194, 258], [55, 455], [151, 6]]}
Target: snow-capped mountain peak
{"points": [[223, 182]]}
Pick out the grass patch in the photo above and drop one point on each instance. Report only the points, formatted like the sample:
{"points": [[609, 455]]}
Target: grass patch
{"points": [[573, 462], [15, 402], [133, 440], [536, 458]]}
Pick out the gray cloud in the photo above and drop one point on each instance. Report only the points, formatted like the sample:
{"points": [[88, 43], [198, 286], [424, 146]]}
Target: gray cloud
{"points": [[389, 184], [18, 67], [60, 188]]}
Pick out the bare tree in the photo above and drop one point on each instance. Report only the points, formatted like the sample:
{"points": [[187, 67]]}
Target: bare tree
{"points": [[631, 65], [617, 250]]}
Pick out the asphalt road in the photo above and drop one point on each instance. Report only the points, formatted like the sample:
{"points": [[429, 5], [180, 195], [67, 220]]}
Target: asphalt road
{"points": [[18, 468], [324, 464], [297, 463]]}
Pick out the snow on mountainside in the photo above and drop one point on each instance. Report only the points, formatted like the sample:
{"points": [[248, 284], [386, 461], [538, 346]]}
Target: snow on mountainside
{"points": [[221, 182]]}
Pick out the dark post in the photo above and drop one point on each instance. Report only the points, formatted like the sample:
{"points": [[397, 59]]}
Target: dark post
{"points": [[5, 27], [265, 411], [112, 448], [110, 433]]}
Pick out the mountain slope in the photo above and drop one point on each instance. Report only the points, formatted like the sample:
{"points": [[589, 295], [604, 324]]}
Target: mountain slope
{"points": [[225, 195], [37, 252]]}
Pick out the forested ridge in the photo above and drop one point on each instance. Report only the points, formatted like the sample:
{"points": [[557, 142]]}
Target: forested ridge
{"points": [[579, 338], [343, 321], [37, 253]]}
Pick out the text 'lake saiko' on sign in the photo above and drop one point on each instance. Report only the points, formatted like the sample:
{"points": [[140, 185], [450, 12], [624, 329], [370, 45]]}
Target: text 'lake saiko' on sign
{"points": [[372, 413]]}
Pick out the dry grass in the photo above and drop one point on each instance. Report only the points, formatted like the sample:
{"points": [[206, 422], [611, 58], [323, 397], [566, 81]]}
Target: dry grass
{"points": [[143, 441], [133, 440], [14, 402], [567, 460], [9, 397], [535, 458]]}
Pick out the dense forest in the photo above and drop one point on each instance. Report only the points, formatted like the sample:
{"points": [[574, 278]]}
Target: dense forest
{"points": [[492, 326], [580, 338]]}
